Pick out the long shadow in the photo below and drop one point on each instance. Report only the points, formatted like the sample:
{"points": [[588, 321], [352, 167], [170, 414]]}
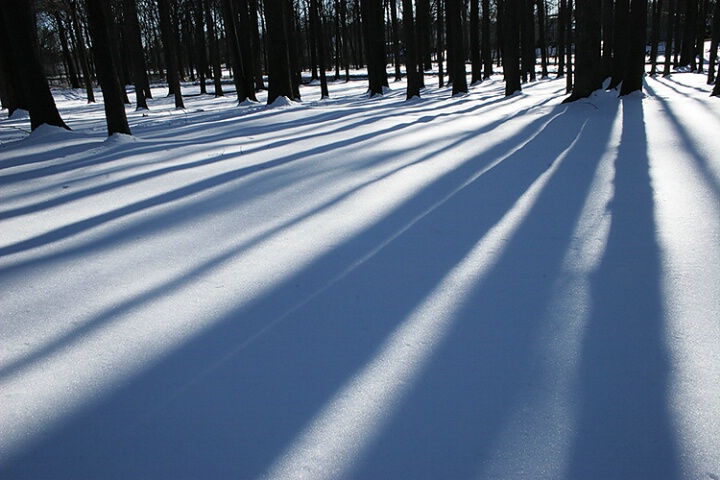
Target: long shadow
{"points": [[624, 427], [702, 161], [211, 206], [452, 419], [212, 410], [78, 227]]}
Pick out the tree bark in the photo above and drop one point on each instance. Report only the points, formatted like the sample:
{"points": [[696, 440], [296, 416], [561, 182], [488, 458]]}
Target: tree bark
{"points": [[635, 69], [137, 63], [669, 37], [29, 77], [511, 49], [411, 54], [588, 76], [456, 46], [374, 33], [279, 79], [714, 43], [486, 52], [98, 18], [168, 39]]}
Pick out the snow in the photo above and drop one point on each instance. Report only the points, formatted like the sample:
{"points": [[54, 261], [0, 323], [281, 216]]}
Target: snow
{"points": [[368, 288]]}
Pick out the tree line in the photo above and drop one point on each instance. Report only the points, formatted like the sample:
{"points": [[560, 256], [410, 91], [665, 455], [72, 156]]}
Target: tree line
{"points": [[268, 44]]}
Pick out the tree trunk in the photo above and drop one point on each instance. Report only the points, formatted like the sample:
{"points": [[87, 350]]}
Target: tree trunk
{"points": [[475, 58], [714, 43], [411, 60], [440, 43], [543, 40], [562, 38], [486, 52], [214, 50], [588, 76], [168, 39], [98, 18], [655, 35], [82, 54], [669, 37], [635, 69], [608, 26], [687, 53], [511, 49], [374, 30], [620, 42], [456, 46], [395, 39], [132, 29], [62, 33], [317, 24], [21, 45], [279, 79]]}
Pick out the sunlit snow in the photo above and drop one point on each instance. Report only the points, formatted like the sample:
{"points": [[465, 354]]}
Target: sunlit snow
{"points": [[365, 288]]}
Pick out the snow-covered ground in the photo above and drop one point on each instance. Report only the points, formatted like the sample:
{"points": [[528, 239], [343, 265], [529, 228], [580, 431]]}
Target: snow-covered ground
{"points": [[365, 288]]}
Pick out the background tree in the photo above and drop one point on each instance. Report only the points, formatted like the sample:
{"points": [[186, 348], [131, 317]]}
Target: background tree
{"points": [[98, 14], [485, 50], [635, 69], [171, 59], [511, 45], [588, 75], [135, 52], [279, 75], [411, 58], [714, 42], [24, 78], [374, 35], [456, 46]]}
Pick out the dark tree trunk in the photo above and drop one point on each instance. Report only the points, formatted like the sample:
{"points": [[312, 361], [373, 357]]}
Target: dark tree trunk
{"points": [[256, 46], [543, 39], [82, 54], [562, 37], [440, 43], [424, 36], [486, 52], [201, 45], [456, 46], [687, 53], [714, 43], [279, 76], [137, 63], [411, 60], [700, 42], [317, 25], [571, 40], [168, 39], [716, 89], [620, 42], [214, 50], [588, 76], [62, 33], [607, 37], [511, 42], [669, 37], [374, 31], [396, 39], [98, 18], [527, 36], [475, 58], [30, 79], [655, 35], [635, 69]]}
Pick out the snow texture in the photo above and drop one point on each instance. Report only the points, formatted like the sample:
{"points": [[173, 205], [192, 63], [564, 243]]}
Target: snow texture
{"points": [[365, 288]]}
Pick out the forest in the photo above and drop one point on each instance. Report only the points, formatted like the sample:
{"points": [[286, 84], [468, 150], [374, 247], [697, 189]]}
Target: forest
{"points": [[359, 239], [280, 44]]}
